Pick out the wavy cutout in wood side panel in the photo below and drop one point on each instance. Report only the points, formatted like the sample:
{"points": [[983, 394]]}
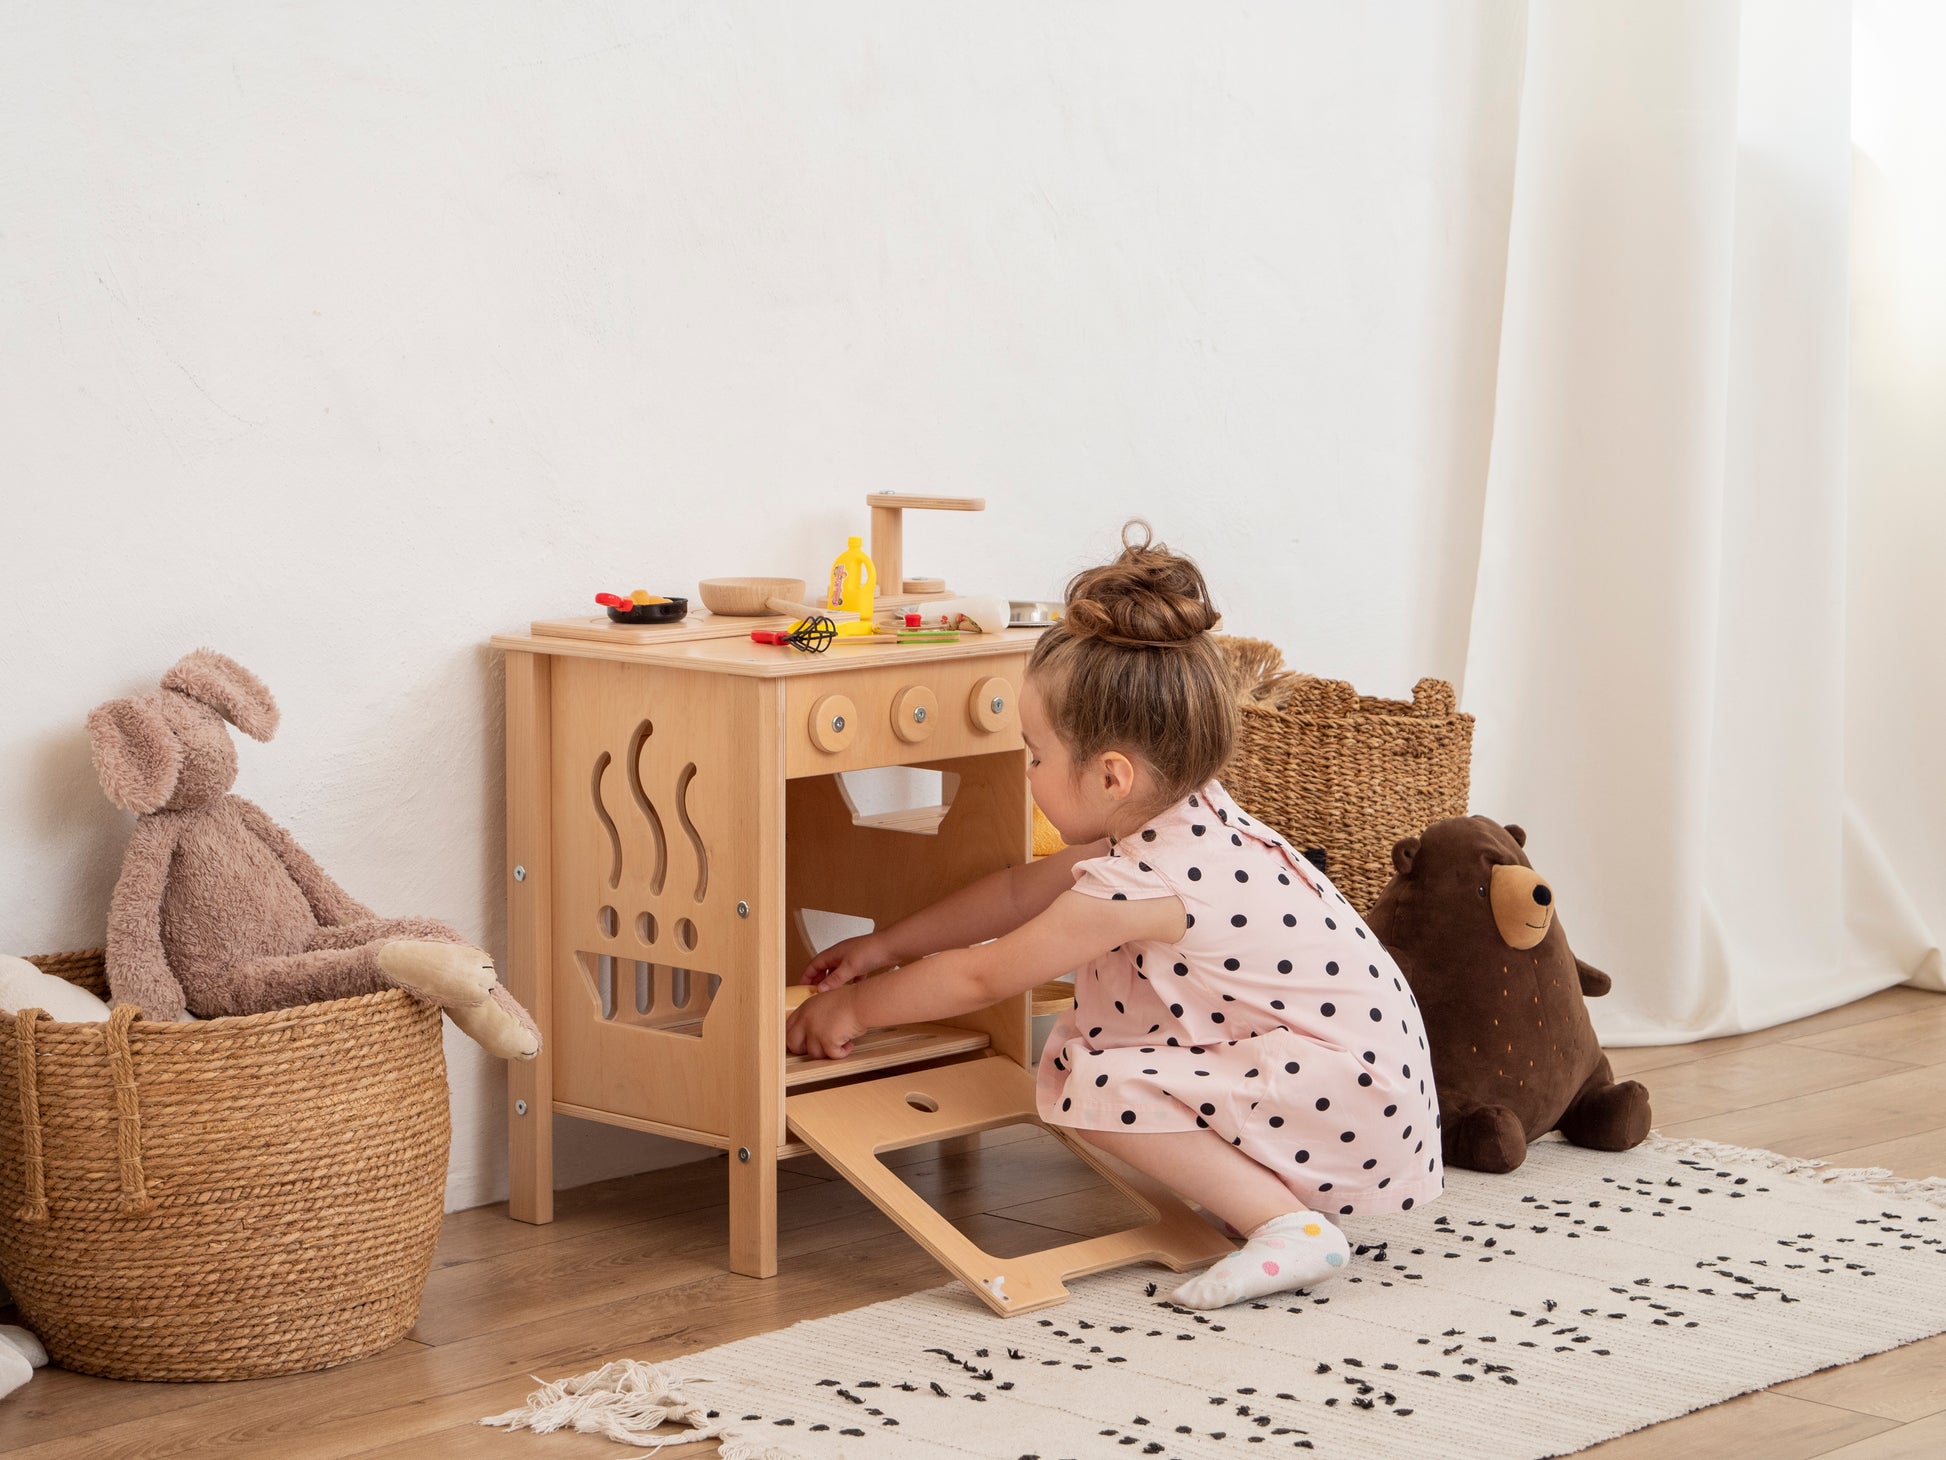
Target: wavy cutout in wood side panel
{"points": [[608, 822], [689, 829], [636, 745]]}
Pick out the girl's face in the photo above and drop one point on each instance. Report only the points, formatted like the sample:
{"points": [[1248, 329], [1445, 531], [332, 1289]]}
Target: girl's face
{"points": [[1084, 802]]}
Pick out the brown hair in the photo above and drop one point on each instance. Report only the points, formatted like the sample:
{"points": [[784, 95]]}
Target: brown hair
{"points": [[1132, 667]]}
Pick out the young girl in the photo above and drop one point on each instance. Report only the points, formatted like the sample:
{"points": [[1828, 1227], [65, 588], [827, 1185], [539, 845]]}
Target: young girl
{"points": [[1238, 1033]]}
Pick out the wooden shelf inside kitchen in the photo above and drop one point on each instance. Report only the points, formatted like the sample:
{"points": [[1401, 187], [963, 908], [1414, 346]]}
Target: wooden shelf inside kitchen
{"points": [[886, 1049]]}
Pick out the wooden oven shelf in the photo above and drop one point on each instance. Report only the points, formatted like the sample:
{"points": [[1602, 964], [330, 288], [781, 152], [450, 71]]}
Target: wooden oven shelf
{"points": [[886, 1049]]}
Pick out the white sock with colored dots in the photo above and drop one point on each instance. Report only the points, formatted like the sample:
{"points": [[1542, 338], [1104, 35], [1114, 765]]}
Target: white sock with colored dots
{"points": [[1289, 1252]]}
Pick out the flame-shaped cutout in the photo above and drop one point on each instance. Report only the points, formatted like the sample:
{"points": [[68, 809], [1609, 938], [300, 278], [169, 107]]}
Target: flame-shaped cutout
{"points": [[608, 822], [689, 828], [647, 807]]}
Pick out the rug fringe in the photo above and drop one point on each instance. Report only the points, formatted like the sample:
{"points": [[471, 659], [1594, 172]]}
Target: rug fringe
{"points": [[1873, 1178], [626, 1401]]}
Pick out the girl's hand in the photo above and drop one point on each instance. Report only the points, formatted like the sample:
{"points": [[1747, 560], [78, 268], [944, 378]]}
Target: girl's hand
{"points": [[841, 963], [823, 1026]]}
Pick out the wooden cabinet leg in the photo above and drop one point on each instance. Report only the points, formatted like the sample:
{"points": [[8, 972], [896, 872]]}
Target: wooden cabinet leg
{"points": [[753, 1210], [530, 1148], [530, 934]]}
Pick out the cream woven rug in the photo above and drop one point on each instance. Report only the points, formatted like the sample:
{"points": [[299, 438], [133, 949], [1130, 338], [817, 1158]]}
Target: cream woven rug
{"points": [[1581, 1297]]}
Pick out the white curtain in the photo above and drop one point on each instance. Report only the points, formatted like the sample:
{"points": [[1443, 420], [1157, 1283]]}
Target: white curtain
{"points": [[1672, 655]]}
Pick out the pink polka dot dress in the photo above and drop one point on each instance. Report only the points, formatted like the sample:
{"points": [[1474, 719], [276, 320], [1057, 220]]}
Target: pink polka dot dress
{"points": [[1278, 1021]]}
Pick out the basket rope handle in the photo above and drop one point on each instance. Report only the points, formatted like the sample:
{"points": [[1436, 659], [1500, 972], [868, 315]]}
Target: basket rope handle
{"points": [[27, 1070], [136, 1201], [1434, 698]]}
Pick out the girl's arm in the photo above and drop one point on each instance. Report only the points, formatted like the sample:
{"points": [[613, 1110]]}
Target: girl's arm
{"points": [[996, 904], [1071, 930]]}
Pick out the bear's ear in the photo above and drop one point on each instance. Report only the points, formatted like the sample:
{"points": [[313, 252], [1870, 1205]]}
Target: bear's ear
{"points": [[1403, 851], [228, 688], [135, 752], [1519, 834]]}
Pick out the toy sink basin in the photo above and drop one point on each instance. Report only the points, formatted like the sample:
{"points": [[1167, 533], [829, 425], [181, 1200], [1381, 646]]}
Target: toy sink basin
{"points": [[651, 613]]}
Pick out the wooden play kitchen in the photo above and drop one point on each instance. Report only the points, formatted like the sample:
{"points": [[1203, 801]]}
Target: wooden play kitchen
{"points": [[674, 808]]}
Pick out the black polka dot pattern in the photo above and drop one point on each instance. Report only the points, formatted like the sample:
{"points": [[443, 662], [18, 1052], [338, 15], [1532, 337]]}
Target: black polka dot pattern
{"points": [[1248, 1041]]}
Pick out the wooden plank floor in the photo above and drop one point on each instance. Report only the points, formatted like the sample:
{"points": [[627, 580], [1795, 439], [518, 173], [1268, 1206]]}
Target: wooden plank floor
{"points": [[632, 1268]]}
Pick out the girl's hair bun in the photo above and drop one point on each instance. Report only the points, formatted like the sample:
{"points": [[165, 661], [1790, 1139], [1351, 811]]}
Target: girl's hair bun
{"points": [[1148, 598]]}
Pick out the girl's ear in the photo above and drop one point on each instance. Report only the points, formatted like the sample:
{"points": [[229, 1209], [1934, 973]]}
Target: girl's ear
{"points": [[135, 752], [1118, 774]]}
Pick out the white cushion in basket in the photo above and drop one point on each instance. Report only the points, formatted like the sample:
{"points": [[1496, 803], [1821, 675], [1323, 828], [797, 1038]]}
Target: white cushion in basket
{"points": [[23, 986]]}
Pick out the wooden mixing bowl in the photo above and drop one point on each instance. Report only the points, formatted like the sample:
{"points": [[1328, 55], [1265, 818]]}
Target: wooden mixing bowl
{"points": [[747, 597]]}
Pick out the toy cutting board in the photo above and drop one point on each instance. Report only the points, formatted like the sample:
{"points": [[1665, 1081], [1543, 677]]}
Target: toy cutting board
{"points": [[699, 624]]}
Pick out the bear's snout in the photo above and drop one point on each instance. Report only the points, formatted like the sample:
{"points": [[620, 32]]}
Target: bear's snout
{"points": [[1523, 905]]}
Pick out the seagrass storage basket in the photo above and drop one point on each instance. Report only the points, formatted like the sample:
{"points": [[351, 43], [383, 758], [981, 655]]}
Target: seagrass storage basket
{"points": [[1342, 773], [225, 1199]]}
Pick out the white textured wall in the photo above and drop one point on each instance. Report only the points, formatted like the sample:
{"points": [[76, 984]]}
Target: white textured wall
{"points": [[341, 336]]}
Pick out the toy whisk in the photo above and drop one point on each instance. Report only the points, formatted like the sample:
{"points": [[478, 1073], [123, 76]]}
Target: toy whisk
{"points": [[814, 635]]}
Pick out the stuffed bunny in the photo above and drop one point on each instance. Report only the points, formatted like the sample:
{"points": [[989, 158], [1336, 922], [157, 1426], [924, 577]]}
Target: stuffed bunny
{"points": [[219, 911]]}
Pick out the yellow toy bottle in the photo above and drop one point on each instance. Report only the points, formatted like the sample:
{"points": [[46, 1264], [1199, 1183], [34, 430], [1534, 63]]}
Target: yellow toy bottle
{"points": [[854, 583]]}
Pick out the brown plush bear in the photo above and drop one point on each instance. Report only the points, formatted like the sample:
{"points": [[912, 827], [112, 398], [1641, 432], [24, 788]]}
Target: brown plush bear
{"points": [[1475, 929], [219, 911]]}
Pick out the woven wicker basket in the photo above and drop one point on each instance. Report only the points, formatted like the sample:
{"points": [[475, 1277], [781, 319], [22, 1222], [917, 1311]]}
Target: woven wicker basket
{"points": [[1341, 773], [225, 1199]]}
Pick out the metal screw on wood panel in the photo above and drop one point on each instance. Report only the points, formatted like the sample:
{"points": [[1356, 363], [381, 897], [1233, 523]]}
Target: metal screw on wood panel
{"points": [[838, 723], [998, 704], [919, 715], [520, 874], [743, 909], [743, 1153], [520, 1107]]}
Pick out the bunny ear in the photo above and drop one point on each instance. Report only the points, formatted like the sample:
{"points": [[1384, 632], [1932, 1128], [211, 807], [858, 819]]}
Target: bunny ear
{"points": [[135, 751], [228, 688]]}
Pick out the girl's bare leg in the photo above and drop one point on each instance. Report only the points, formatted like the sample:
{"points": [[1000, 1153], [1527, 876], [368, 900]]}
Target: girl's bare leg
{"points": [[1286, 1246], [1205, 1168]]}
